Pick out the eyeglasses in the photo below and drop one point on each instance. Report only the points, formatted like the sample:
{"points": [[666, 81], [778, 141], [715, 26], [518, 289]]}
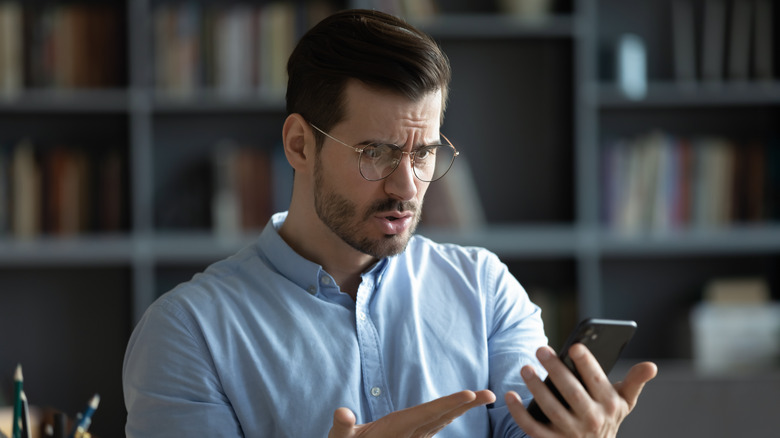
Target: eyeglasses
{"points": [[378, 160]]}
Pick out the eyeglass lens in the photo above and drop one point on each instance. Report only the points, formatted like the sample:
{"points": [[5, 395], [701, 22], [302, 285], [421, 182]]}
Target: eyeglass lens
{"points": [[430, 162]]}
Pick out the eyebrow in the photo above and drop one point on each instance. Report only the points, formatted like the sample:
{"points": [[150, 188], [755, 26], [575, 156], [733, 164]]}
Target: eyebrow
{"points": [[414, 148]]}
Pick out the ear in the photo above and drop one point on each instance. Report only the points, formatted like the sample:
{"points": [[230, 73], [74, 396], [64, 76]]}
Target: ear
{"points": [[298, 141]]}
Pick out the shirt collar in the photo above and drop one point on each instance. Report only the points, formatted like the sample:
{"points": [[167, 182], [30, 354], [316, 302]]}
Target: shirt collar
{"points": [[301, 271]]}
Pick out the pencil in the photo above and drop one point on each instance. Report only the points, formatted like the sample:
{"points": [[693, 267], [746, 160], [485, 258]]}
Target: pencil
{"points": [[86, 419], [26, 426], [18, 382]]}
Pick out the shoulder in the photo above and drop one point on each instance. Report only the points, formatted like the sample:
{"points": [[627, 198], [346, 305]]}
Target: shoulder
{"points": [[219, 287], [423, 247], [473, 264]]}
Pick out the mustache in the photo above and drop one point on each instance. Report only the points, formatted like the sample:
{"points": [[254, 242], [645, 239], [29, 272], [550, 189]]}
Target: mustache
{"points": [[392, 205]]}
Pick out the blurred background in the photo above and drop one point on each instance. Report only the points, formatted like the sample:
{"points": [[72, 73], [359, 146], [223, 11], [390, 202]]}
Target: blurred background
{"points": [[622, 158]]}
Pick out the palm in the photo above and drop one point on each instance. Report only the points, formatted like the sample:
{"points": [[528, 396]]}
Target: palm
{"points": [[420, 421]]}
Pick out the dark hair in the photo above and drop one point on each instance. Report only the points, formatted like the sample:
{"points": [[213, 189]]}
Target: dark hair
{"points": [[371, 46]]}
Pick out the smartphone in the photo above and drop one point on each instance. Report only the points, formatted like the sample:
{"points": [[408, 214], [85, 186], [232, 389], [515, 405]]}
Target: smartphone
{"points": [[605, 338]]}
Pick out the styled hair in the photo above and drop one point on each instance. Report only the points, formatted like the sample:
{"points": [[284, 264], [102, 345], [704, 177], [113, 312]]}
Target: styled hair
{"points": [[376, 48]]}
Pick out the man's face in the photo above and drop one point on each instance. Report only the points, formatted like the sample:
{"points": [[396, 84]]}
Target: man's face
{"points": [[375, 217]]}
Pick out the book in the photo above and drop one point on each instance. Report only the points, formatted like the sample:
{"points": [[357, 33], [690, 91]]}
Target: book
{"points": [[659, 182], [5, 195], [666, 184], [225, 204], [187, 43], [254, 187], [419, 9], [111, 191], [277, 40], [713, 182], [11, 55], [237, 49], [26, 191], [67, 203], [242, 188], [713, 37], [684, 42], [684, 188], [736, 291], [234, 47], [723, 182], [163, 41], [754, 177], [72, 46], [763, 59], [739, 40]]}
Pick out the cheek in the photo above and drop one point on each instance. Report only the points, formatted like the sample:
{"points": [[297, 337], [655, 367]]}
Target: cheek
{"points": [[422, 189]]}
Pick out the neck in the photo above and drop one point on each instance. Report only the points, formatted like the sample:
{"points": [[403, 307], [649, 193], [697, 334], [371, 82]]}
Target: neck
{"points": [[317, 243]]}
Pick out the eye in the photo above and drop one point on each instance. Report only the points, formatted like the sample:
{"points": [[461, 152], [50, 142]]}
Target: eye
{"points": [[374, 152], [381, 152], [425, 152]]}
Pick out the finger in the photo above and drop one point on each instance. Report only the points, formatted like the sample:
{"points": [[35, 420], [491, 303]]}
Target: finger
{"points": [[524, 419], [635, 381], [421, 414], [593, 376], [343, 423], [559, 373], [450, 412], [545, 398], [566, 383], [601, 401], [480, 398]]}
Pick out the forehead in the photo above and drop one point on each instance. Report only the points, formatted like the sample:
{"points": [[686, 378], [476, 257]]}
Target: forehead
{"points": [[372, 107]]}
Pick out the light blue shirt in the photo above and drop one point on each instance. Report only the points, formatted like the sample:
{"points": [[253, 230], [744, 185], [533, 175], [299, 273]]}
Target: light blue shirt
{"points": [[263, 344]]}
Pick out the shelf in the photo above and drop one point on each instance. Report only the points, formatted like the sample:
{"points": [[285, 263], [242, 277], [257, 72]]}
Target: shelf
{"points": [[514, 240], [497, 26], [671, 94], [120, 101], [536, 241], [66, 101], [67, 251], [202, 247], [763, 238], [118, 249], [529, 88], [206, 101]]}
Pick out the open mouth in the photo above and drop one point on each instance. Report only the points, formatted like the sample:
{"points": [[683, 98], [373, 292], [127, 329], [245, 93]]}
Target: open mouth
{"points": [[395, 223]]}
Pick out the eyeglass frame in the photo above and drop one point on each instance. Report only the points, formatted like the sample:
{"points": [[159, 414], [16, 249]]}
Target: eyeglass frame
{"points": [[403, 152]]}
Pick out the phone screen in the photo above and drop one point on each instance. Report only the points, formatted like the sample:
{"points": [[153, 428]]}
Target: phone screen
{"points": [[605, 338]]}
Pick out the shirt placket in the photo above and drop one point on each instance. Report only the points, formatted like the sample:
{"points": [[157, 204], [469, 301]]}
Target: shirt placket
{"points": [[375, 385]]}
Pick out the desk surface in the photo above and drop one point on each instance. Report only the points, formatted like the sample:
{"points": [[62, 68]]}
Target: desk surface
{"points": [[7, 418]]}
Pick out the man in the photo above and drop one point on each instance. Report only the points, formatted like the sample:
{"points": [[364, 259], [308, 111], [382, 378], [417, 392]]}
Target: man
{"points": [[339, 321]]}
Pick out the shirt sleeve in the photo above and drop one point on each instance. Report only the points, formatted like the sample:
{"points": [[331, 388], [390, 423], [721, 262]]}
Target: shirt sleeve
{"points": [[516, 334], [164, 398]]}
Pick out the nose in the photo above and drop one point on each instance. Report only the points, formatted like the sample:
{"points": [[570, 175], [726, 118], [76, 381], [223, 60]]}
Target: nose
{"points": [[402, 183]]}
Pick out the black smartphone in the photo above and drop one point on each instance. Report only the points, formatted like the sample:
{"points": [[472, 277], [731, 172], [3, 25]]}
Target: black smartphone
{"points": [[605, 338]]}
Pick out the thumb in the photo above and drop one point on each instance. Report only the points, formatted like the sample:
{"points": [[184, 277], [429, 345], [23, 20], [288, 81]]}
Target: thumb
{"points": [[343, 423], [637, 377]]}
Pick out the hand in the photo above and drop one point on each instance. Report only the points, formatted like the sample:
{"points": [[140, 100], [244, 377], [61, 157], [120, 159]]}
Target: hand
{"points": [[597, 408], [420, 421]]}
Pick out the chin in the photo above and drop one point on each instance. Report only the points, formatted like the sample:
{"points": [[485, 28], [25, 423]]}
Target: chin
{"points": [[389, 245]]}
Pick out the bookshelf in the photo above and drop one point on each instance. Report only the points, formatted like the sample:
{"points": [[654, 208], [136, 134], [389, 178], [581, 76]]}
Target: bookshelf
{"points": [[534, 104]]}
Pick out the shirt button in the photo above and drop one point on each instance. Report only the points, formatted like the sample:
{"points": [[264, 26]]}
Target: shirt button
{"points": [[362, 316], [325, 280], [312, 290], [376, 391]]}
